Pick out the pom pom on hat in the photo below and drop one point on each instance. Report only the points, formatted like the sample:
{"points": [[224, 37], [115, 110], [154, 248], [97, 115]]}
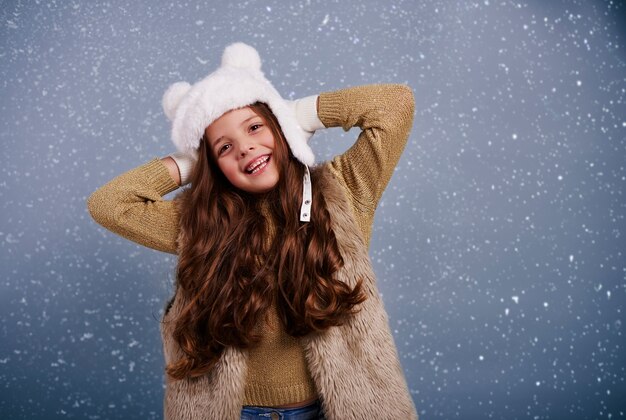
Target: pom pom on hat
{"points": [[172, 97], [242, 56]]}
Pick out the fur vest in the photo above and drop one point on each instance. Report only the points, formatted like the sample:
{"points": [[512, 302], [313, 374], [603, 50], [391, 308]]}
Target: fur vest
{"points": [[355, 367]]}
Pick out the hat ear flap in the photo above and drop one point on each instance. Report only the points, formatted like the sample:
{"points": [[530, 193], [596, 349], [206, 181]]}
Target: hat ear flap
{"points": [[172, 97]]}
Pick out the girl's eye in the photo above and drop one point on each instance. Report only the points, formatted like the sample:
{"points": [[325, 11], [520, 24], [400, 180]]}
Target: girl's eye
{"points": [[223, 149], [255, 127]]}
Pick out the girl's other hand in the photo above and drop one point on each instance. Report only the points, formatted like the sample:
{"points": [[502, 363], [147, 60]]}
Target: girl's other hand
{"points": [[180, 165], [306, 114]]}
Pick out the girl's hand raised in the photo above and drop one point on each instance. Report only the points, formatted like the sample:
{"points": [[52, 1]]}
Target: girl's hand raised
{"points": [[306, 114], [180, 165]]}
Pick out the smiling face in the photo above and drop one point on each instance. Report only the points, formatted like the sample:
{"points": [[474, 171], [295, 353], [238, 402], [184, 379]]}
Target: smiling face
{"points": [[243, 146]]}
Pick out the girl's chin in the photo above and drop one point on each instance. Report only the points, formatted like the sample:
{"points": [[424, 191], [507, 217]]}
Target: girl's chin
{"points": [[259, 186], [266, 190]]}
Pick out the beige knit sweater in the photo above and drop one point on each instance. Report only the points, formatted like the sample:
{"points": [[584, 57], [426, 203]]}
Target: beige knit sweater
{"points": [[132, 206]]}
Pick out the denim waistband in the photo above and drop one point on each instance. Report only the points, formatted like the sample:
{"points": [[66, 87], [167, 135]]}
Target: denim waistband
{"points": [[308, 412]]}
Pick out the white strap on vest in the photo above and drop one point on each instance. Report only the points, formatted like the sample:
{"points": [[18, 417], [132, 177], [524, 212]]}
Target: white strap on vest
{"points": [[307, 196]]}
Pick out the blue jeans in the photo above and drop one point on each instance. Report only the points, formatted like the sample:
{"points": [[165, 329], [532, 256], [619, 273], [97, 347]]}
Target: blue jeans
{"points": [[310, 412]]}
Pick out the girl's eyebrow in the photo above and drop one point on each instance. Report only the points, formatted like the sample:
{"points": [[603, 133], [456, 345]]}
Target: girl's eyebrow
{"points": [[242, 123]]}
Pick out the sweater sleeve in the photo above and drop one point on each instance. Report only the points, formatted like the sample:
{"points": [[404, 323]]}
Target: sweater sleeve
{"points": [[384, 113], [132, 206]]}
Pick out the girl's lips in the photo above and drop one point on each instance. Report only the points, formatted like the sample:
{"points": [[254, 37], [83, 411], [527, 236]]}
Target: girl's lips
{"points": [[258, 165]]}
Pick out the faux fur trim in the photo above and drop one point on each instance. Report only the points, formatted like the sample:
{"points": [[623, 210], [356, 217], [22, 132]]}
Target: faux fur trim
{"points": [[218, 395], [355, 366]]}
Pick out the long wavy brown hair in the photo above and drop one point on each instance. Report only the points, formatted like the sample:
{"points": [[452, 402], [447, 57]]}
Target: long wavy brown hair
{"points": [[229, 273]]}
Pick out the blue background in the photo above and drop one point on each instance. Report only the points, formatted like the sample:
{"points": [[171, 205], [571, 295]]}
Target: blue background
{"points": [[499, 244]]}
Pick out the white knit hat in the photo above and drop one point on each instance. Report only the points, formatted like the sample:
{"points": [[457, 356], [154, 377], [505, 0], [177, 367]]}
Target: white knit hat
{"points": [[238, 82]]}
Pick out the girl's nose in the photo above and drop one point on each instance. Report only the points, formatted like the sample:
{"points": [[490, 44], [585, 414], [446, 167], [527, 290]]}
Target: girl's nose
{"points": [[245, 148]]}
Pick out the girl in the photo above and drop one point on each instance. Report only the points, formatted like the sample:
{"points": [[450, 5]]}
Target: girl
{"points": [[276, 313]]}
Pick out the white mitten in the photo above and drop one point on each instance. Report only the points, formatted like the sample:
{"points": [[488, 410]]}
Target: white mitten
{"points": [[185, 163], [306, 114]]}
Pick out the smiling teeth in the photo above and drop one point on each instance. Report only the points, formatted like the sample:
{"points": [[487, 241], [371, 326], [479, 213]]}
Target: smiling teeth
{"points": [[257, 165]]}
